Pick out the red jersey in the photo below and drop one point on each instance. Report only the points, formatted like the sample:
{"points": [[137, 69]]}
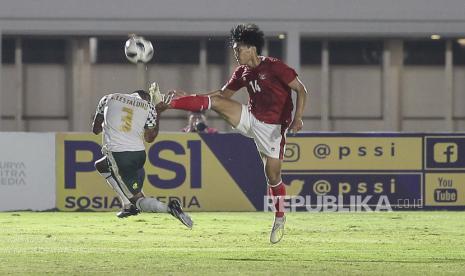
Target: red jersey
{"points": [[270, 98]]}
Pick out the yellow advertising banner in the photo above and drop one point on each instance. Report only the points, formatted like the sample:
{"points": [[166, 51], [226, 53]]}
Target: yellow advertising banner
{"points": [[224, 172], [353, 153], [178, 166], [444, 189]]}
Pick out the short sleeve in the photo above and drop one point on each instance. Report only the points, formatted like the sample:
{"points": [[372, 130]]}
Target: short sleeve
{"points": [[283, 72], [151, 117], [101, 105], [236, 82]]}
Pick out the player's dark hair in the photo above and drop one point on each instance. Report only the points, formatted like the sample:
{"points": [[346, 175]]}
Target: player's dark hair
{"points": [[143, 94], [248, 34]]}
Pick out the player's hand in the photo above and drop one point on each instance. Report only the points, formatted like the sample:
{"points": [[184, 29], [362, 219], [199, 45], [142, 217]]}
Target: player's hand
{"points": [[161, 106], [164, 104], [167, 98], [296, 125]]}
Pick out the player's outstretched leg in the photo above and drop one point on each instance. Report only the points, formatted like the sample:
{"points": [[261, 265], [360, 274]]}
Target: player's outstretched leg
{"points": [[190, 102], [177, 212], [194, 103], [148, 204]]}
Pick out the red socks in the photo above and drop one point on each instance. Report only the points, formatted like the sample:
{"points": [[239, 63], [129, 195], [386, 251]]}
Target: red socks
{"points": [[278, 192], [191, 103]]}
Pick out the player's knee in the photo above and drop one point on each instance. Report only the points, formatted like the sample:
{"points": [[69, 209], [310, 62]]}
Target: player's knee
{"points": [[216, 101], [274, 182], [273, 178], [98, 167], [219, 102], [101, 166]]}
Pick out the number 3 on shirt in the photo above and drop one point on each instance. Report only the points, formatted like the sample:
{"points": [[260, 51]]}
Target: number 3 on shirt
{"points": [[255, 86], [127, 119]]}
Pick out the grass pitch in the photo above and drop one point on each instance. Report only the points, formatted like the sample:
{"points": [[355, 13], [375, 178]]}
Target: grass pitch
{"points": [[232, 243]]}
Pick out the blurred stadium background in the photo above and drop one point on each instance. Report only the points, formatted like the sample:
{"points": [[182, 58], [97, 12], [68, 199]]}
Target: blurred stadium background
{"points": [[393, 68], [371, 65]]}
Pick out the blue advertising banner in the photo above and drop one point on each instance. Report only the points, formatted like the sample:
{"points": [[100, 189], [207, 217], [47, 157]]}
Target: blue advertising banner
{"points": [[372, 189], [198, 170]]}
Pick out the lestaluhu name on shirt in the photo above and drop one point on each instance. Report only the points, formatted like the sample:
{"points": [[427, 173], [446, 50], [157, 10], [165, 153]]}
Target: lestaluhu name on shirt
{"points": [[136, 103]]}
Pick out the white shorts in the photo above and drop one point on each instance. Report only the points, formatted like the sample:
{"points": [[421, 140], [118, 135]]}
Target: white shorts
{"points": [[270, 139]]}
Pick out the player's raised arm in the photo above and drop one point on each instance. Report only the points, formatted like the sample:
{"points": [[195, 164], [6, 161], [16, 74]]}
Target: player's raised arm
{"points": [[99, 118], [152, 125], [227, 93], [301, 91], [150, 134], [97, 123]]}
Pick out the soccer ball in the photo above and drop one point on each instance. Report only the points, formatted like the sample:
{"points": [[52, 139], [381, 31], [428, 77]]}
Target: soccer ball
{"points": [[138, 49]]}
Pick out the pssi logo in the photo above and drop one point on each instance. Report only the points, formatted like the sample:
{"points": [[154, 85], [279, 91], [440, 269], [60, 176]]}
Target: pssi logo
{"points": [[73, 167]]}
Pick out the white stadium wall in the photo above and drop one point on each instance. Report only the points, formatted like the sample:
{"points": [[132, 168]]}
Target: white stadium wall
{"points": [[356, 97], [27, 171], [62, 97], [316, 17]]}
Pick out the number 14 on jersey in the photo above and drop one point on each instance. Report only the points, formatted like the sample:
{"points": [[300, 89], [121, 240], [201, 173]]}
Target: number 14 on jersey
{"points": [[255, 87]]}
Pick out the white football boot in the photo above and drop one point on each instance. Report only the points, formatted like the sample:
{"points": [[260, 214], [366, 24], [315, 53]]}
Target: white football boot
{"points": [[155, 95], [277, 232]]}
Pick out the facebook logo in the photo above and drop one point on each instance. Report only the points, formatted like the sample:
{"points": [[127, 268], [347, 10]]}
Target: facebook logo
{"points": [[445, 152]]}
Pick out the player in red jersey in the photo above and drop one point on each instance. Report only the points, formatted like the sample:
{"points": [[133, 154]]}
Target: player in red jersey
{"points": [[269, 113]]}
